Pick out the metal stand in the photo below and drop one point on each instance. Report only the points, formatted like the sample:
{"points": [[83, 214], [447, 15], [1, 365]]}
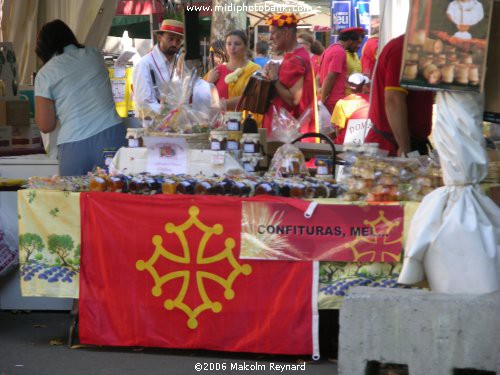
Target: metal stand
{"points": [[74, 323]]}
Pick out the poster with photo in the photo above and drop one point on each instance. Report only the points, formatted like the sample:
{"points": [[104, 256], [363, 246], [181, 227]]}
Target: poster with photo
{"points": [[446, 44]]}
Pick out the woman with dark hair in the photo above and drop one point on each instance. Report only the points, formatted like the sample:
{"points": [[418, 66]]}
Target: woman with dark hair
{"points": [[73, 87], [313, 47], [231, 78], [217, 53]]}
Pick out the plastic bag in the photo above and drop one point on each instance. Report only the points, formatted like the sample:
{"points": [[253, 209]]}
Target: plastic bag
{"points": [[325, 118], [188, 105], [9, 253], [288, 159]]}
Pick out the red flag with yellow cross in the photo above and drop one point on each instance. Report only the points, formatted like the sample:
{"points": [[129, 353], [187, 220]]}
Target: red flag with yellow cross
{"points": [[164, 271]]}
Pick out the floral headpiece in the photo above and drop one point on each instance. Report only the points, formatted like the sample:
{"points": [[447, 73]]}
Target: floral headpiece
{"points": [[283, 20]]}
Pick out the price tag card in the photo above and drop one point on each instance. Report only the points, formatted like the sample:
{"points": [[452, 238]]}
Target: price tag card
{"points": [[218, 157]]}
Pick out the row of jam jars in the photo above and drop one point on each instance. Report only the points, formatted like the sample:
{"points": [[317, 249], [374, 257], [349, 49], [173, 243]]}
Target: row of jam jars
{"points": [[297, 189], [145, 184], [102, 182]]}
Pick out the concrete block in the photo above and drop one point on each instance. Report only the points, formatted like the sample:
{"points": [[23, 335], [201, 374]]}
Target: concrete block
{"points": [[432, 333]]}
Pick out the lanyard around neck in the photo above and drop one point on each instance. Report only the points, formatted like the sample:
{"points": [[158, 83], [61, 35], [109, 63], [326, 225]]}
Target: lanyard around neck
{"points": [[171, 73]]}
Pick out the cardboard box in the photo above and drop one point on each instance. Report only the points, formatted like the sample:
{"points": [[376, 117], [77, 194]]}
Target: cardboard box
{"points": [[14, 112], [5, 138], [27, 137]]}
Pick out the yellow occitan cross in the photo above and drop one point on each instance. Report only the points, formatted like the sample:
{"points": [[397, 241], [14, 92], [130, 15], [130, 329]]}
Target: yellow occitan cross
{"points": [[184, 275], [389, 226]]}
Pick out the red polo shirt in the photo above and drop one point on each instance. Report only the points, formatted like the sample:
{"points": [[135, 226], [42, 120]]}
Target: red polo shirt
{"points": [[334, 60], [369, 56], [295, 65], [419, 102]]}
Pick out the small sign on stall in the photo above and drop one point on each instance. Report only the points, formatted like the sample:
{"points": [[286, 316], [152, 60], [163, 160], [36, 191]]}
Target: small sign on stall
{"points": [[356, 131], [166, 155]]}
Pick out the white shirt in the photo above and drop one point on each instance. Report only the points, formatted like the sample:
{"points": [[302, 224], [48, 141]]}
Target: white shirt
{"points": [[146, 93], [465, 12], [78, 83]]}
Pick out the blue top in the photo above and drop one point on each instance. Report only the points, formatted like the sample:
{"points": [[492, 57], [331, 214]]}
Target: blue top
{"points": [[78, 82], [261, 61]]}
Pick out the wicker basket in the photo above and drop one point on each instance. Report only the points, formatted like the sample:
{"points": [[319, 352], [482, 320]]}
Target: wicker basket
{"points": [[195, 141]]}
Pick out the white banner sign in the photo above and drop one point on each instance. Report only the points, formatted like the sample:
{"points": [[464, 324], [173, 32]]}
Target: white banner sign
{"points": [[166, 155]]}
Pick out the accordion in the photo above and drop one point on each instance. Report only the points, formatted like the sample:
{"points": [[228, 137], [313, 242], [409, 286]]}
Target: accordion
{"points": [[257, 95]]}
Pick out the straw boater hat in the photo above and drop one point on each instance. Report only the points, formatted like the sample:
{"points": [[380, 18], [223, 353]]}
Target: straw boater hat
{"points": [[171, 26]]}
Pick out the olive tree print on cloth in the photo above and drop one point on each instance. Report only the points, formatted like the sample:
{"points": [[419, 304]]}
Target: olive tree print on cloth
{"points": [[49, 243]]}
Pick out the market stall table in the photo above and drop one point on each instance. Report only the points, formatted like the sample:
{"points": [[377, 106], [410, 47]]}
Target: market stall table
{"points": [[102, 231]]}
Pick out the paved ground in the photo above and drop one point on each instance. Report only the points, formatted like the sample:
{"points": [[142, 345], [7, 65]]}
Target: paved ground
{"points": [[27, 348]]}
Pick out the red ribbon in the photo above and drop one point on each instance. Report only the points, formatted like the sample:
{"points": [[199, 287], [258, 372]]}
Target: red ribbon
{"points": [[179, 30]]}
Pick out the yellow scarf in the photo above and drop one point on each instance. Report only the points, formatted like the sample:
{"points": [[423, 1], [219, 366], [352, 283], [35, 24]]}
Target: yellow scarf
{"points": [[236, 88]]}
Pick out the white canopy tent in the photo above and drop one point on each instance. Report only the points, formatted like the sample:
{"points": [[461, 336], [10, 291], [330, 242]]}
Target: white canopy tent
{"points": [[20, 21]]}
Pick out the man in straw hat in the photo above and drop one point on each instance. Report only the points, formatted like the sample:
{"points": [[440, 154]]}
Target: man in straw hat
{"points": [[333, 70], [159, 66], [293, 78]]}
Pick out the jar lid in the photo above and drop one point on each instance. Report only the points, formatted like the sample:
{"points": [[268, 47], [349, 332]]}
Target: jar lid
{"points": [[250, 137], [136, 132], [251, 158], [234, 135], [218, 132], [218, 135], [237, 116]]}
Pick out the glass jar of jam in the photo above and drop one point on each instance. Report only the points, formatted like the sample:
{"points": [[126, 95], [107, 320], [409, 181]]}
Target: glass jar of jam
{"points": [[204, 187], [243, 188], [186, 186], [250, 143], [118, 184], [169, 186], [98, 183], [233, 140], [218, 140], [267, 188], [250, 162], [134, 137], [298, 190], [323, 166], [232, 121]]}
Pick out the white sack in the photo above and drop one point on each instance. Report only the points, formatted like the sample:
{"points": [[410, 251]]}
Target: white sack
{"points": [[454, 238]]}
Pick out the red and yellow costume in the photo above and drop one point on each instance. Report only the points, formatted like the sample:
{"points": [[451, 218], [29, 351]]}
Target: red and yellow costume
{"points": [[343, 111], [294, 66]]}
